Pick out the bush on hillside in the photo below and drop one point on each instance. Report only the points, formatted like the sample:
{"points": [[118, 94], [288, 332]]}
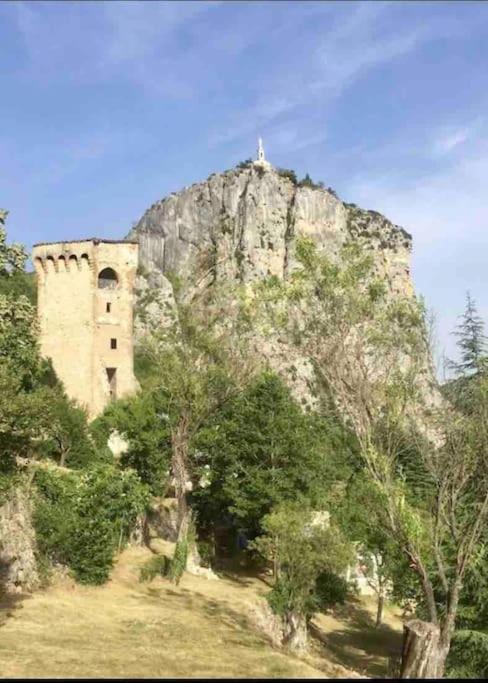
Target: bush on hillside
{"points": [[468, 656], [82, 519], [330, 590], [288, 173]]}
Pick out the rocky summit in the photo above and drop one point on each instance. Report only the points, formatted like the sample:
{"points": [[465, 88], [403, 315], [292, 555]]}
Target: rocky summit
{"points": [[248, 218], [244, 224]]}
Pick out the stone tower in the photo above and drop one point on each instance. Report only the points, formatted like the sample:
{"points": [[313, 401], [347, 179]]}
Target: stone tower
{"points": [[85, 302]]}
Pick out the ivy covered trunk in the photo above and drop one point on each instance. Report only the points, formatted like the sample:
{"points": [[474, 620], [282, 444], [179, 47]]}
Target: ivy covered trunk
{"points": [[185, 552], [425, 650]]}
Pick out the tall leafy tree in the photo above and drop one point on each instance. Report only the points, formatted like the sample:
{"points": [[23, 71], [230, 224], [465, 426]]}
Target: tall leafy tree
{"points": [[371, 351], [261, 450], [198, 364]]}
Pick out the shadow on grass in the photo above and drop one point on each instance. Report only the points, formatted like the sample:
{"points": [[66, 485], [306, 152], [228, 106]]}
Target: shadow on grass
{"points": [[219, 614], [242, 570], [9, 602], [358, 644]]}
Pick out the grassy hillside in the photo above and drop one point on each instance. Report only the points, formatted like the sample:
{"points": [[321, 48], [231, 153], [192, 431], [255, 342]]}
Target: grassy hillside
{"points": [[202, 628]]}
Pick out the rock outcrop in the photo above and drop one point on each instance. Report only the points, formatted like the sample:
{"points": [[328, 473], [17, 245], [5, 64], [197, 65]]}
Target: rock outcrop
{"points": [[18, 565], [241, 226], [244, 224]]}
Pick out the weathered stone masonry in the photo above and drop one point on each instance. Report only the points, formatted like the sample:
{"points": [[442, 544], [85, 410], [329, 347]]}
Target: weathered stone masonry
{"points": [[85, 304]]}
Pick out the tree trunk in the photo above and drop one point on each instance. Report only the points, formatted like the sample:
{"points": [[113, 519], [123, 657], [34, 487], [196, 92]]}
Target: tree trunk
{"points": [[182, 477], [379, 611], [424, 654], [137, 535], [295, 632]]}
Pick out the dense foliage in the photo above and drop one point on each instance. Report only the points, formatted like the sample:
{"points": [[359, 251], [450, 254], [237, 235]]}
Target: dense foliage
{"points": [[340, 314], [260, 450], [306, 551], [142, 421], [82, 519]]}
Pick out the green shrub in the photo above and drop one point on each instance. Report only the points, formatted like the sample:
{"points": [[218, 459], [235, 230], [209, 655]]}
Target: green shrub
{"points": [[244, 164], [307, 182], [206, 552], [330, 589], [468, 656], [178, 561], [81, 519], [288, 173], [158, 565]]}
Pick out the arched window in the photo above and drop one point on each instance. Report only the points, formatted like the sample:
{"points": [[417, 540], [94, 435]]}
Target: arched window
{"points": [[107, 279]]}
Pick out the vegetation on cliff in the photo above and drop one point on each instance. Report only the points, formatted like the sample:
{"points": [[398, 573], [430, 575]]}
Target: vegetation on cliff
{"points": [[375, 464]]}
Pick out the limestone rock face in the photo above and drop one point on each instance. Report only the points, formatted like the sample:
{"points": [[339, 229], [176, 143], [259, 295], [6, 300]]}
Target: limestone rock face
{"points": [[243, 223], [241, 226], [18, 566]]}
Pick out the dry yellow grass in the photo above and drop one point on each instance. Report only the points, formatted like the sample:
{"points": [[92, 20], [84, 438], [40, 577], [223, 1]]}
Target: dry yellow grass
{"points": [[130, 629]]}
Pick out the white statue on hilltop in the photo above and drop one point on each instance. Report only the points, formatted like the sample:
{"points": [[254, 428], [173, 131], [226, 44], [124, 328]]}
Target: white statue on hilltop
{"points": [[261, 160]]}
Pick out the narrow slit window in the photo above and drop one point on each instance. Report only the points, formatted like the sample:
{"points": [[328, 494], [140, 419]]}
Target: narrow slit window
{"points": [[109, 306], [113, 343], [112, 382]]}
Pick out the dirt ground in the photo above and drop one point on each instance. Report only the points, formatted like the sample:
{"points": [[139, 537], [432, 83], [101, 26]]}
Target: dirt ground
{"points": [[200, 628]]}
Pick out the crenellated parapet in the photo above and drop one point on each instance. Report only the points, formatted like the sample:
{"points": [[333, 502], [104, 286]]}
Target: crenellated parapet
{"points": [[62, 263]]}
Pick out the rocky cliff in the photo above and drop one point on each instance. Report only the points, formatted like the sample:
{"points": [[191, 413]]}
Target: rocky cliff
{"points": [[18, 564], [246, 221], [243, 224]]}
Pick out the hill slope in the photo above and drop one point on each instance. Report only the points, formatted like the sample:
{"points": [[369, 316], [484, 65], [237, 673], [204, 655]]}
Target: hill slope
{"points": [[201, 628]]}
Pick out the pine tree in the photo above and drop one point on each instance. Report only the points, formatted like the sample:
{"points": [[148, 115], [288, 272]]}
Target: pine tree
{"points": [[471, 340]]}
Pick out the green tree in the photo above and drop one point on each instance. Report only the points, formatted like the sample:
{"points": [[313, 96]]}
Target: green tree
{"points": [[143, 421], [371, 352], [198, 365], [13, 256], [379, 556], [302, 549], [471, 340], [261, 449], [67, 436]]}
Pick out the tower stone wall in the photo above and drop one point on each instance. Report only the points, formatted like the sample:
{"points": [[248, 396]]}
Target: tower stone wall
{"points": [[85, 310]]}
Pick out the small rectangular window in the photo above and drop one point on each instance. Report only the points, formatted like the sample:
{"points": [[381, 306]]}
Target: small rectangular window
{"points": [[109, 307], [113, 343]]}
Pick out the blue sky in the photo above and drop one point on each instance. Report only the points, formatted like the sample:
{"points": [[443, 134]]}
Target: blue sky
{"points": [[108, 106]]}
